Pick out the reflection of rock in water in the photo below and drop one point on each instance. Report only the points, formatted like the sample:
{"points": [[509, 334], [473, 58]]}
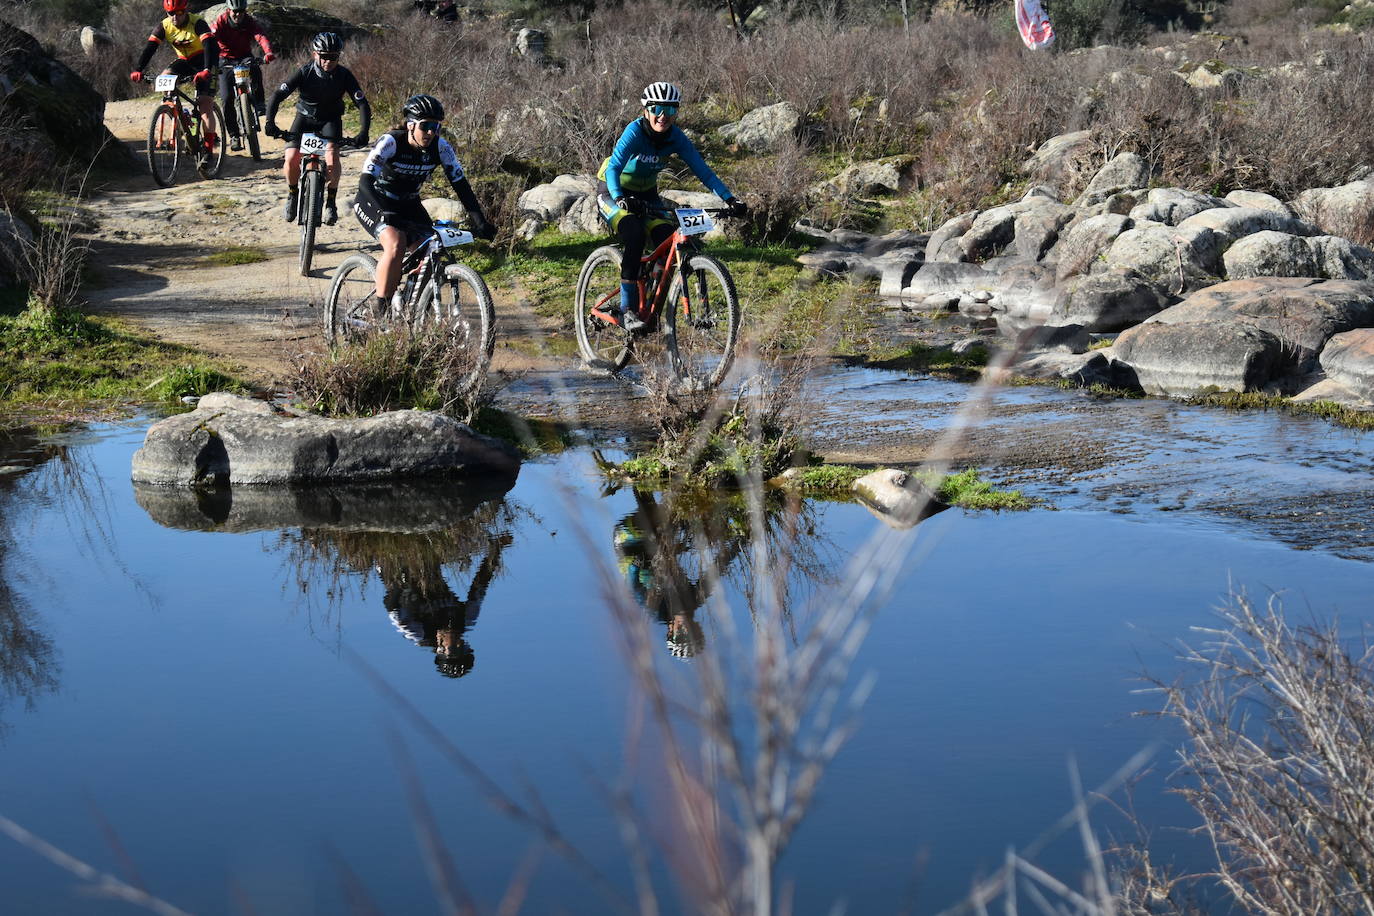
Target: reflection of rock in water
{"points": [[413, 505]]}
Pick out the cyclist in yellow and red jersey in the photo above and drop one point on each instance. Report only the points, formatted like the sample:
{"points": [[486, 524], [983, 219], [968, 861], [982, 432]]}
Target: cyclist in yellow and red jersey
{"points": [[196, 52]]}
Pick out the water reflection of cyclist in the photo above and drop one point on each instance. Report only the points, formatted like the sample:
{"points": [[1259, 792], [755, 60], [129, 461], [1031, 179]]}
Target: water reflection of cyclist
{"points": [[650, 546], [629, 185], [425, 609]]}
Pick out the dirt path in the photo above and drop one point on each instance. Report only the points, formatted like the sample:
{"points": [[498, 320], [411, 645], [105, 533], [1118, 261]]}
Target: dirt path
{"points": [[151, 247]]}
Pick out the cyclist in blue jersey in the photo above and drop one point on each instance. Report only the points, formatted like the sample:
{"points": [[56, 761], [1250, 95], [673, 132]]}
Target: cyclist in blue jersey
{"points": [[628, 187]]}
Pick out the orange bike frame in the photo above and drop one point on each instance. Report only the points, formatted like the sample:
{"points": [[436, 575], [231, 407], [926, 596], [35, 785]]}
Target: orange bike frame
{"points": [[667, 252]]}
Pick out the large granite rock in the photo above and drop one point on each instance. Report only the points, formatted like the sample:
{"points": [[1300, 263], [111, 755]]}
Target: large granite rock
{"points": [[1107, 301], [1079, 246], [1172, 206], [234, 440], [1346, 211], [1124, 172], [1233, 223], [59, 116], [943, 244], [1270, 254], [1348, 360], [548, 202], [1243, 335], [764, 128], [1175, 259], [898, 498]]}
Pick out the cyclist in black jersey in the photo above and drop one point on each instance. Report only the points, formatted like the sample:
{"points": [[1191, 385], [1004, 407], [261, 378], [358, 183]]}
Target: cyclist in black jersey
{"points": [[388, 202], [322, 84]]}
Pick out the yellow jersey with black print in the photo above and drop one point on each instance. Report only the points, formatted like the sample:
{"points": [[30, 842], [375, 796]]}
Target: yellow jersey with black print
{"points": [[184, 39]]}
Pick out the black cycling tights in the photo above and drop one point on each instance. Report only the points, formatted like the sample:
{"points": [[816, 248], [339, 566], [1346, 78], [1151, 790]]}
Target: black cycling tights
{"points": [[630, 231]]}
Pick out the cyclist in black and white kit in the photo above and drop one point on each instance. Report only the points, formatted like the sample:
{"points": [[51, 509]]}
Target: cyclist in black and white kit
{"points": [[388, 202], [322, 85]]}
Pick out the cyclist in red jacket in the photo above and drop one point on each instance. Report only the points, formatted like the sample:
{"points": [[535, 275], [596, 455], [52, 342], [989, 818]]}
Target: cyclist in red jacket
{"points": [[236, 31]]}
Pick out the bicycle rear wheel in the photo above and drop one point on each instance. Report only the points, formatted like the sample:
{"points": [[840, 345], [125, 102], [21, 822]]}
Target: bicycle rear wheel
{"points": [[460, 304], [603, 344], [212, 161], [349, 309], [311, 202], [164, 145], [701, 322], [248, 125]]}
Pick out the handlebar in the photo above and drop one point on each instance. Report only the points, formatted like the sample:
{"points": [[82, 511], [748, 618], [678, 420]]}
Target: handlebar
{"points": [[342, 143]]}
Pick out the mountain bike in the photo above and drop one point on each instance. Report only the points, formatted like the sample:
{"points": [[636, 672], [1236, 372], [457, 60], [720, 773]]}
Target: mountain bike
{"points": [[175, 132], [690, 292], [245, 112], [436, 292], [314, 173]]}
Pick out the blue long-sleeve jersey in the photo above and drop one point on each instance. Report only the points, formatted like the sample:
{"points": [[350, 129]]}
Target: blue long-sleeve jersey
{"points": [[640, 154]]}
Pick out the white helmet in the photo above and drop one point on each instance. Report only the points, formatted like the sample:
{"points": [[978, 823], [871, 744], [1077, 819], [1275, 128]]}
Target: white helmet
{"points": [[660, 94]]}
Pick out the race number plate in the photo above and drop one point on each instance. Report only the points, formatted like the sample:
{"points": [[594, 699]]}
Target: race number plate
{"points": [[313, 143], [694, 222], [165, 82], [452, 236], [241, 74]]}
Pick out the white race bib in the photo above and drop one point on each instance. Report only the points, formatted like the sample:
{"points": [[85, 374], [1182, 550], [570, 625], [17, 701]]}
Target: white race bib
{"points": [[313, 143], [452, 236], [165, 82], [693, 221]]}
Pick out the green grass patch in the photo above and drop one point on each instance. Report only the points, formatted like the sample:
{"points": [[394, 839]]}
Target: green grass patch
{"points": [[1339, 414], [939, 361], [968, 490], [827, 479], [58, 364], [239, 254]]}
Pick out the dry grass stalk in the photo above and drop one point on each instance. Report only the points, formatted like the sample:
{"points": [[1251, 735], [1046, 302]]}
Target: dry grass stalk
{"points": [[1281, 756]]}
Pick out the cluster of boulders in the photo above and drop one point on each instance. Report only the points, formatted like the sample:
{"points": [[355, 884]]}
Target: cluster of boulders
{"points": [[1237, 293]]}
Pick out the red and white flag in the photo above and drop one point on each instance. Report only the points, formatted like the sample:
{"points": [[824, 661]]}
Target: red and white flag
{"points": [[1033, 24]]}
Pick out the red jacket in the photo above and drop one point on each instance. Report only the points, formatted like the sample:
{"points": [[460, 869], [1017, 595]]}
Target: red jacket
{"points": [[238, 42]]}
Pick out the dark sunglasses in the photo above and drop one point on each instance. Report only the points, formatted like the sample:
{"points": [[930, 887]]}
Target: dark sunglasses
{"points": [[329, 57], [429, 126], [669, 110]]}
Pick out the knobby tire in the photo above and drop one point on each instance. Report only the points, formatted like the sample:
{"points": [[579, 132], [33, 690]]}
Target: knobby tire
{"points": [[311, 203], [163, 161], [247, 127], [460, 303], [214, 162], [348, 311], [603, 345], [701, 327]]}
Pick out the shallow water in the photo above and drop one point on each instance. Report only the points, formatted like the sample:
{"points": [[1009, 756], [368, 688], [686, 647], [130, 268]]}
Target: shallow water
{"points": [[187, 704]]}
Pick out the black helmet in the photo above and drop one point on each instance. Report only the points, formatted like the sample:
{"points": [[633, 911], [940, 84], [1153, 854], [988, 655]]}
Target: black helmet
{"points": [[327, 43], [239, 5], [423, 108]]}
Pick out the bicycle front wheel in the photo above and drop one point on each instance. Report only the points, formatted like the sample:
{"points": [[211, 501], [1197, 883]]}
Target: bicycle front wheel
{"points": [[603, 344], [460, 304], [164, 145], [213, 158], [349, 311], [701, 322], [248, 125], [311, 201]]}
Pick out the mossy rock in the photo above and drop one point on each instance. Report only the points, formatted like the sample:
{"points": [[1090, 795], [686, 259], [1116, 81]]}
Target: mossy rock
{"points": [[64, 116]]}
